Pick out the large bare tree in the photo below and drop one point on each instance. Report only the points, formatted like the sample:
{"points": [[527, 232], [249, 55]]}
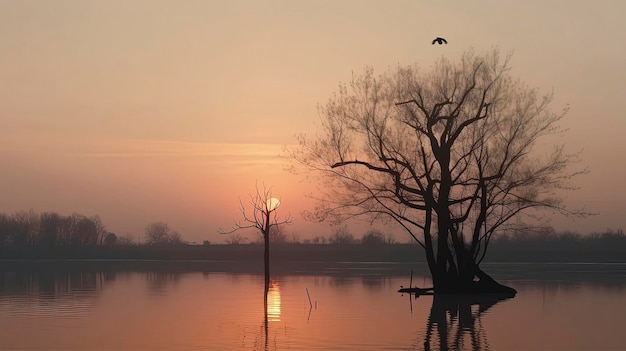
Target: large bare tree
{"points": [[449, 154]]}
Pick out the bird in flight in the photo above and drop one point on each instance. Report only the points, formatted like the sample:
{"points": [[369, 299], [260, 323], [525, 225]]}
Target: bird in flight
{"points": [[440, 41]]}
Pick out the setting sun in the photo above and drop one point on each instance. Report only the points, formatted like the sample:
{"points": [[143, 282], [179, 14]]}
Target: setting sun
{"points": [[292, 175]]}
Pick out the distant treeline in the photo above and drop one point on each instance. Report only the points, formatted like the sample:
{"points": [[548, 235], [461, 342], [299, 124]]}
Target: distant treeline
{"points": [[548, 245], [50, 229], [549, 238], [49, 235], [305, 255], [29, 229]]}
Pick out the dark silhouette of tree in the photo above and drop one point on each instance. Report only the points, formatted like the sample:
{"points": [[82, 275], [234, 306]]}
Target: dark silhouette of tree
{"points": [[5, 228], [278, 235], [236, 239], [341, 236], [263, 217], [110, 239], [175, 238], [101, 231], [26, 228], [126, 240], [86, 233], [319, 240], [295, 238], [49, 228], [373, 237], [159, 233], [66, 228], [448, 155]]}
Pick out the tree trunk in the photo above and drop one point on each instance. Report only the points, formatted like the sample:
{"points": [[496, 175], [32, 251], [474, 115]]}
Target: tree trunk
{"points": [[266, 254], [472, 280], [266, 260], [455, 270]]}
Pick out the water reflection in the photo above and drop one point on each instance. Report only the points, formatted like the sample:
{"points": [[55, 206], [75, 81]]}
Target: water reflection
{"points": [[50, 293], [455, 322], [78, 309], [273, 302], [53, 284], [271, 307], [160, 282]]}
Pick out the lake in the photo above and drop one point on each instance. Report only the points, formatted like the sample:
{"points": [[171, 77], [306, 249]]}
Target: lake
{"points": [[354, 307]]}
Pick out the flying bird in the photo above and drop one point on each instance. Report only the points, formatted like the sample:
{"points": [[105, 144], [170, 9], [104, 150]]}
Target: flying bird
{"points": [[440, 41]]}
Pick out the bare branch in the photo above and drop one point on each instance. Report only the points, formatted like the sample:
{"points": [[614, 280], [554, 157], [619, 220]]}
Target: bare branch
{"points": [[450, 154], [260, 217]]}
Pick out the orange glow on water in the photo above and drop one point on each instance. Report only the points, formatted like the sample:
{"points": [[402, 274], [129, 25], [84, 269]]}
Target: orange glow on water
{"points": [[273, 302], [217, 311]]}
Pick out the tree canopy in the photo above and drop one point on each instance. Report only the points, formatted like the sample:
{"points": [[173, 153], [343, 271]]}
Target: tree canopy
{"points": [[449, 154]]}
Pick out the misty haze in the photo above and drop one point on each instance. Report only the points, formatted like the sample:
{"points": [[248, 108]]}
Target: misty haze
{"points": [[279, 175]]}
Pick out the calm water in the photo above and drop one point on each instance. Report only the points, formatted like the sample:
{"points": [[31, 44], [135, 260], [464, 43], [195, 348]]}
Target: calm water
{"points": [[353, 310]]}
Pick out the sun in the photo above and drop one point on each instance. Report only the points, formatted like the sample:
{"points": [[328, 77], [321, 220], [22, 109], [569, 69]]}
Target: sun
{"points": [[272, 203]]}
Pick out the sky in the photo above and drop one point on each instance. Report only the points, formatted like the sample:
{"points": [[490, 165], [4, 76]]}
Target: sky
{"points": [[148, 110]]}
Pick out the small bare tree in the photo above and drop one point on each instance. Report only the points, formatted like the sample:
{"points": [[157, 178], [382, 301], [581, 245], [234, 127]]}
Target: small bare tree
{"points": [[159, 233], [263, 216], [126, 240], [236, 239], [373, 237], [341, 236]]}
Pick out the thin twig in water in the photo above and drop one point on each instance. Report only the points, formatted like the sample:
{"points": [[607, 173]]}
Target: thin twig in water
{"points": [[309, 296]]}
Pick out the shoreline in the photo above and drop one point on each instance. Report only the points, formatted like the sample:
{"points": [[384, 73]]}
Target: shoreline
{"points": [[392, 253]]}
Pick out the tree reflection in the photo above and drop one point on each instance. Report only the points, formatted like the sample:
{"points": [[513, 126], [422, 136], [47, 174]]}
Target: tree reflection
{"points": [[159, 282], [53, 284], [455, 322], [46, 293], [271, 307]]}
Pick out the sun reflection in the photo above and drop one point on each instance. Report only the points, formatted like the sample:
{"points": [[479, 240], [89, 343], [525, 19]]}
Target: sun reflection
{"points": [[273, 302]]}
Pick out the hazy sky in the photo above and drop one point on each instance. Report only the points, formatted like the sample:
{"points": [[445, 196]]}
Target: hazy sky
{"points": [[149, 110]]}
